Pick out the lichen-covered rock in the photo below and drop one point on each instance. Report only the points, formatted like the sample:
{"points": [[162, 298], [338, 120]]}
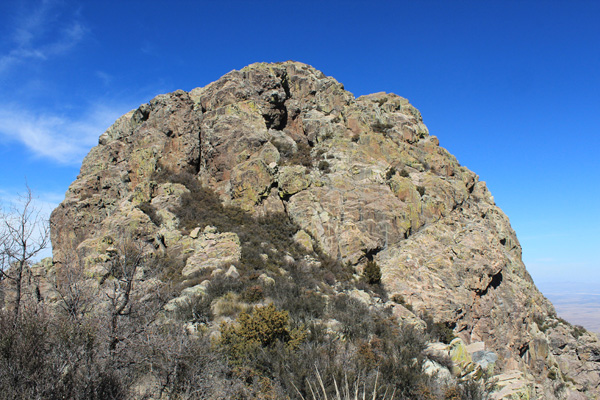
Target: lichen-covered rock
{"points": [[361, 177], [304, 240], [461, 357], [212, 250], [250, 182], [292, 179]]}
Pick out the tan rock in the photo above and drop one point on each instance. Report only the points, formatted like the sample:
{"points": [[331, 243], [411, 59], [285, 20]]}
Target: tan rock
{"points": [[475, 346], [304, 240], [211, 251], [195, 233], [292, 179], [232, 272], [512, 385], [250, 183]]}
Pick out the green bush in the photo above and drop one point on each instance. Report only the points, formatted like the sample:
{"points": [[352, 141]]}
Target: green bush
{"points": [[264, 327], [372, 273]]}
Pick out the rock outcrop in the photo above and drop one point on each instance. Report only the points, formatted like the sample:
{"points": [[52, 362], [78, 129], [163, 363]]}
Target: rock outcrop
{"points": [[362, 178]]}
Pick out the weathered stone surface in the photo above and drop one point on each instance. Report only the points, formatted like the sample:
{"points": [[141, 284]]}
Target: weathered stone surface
{"points": [[292, 179], [461, 357], [211, 251], [232, 272], [304, 240], [250, 183], [195, 233], [513, 386], [485, 359], [442, 376], [363, 179]]}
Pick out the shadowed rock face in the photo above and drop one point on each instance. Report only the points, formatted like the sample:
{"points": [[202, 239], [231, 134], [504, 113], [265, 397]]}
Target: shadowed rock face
{"points": [[362, 177]]}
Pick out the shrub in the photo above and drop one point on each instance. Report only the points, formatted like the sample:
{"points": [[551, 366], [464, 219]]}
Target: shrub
{"points": [[389, 174], [471, 390], [421, 190], [299, 293], [399, 299], [357, 322], [168, 265], [577, 331], [253, 294], [372, 273], [264, 327], [324, 166], [564, 321], [221, 285], [228, 305], [540, 321], [300, 157], [439, 331], [196, 309], [50, 357], [381, 127], [202, 207], [404, 173]]}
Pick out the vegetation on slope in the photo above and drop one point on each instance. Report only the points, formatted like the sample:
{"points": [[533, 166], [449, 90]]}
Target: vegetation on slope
{"points": [[286, 324]]}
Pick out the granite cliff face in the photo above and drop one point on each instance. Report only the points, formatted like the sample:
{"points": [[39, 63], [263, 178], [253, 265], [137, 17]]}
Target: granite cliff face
{"points": [[363, 179]]}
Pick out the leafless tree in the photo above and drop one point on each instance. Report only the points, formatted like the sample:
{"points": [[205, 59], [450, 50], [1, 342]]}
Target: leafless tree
{"points": [[123, 268], [24, 233], [134, 301], [72, 288]]}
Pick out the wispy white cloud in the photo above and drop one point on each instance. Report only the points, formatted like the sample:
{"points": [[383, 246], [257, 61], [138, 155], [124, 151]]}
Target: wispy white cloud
{"points": [[104, 77], [40, 35], [58, 137], [31, 24]]}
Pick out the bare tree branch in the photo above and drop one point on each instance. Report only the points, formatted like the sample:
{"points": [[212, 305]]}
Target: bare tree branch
{"points": [[24, 233]]}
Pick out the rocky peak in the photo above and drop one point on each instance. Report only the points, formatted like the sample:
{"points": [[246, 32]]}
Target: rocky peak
{"points": [[362, 178]]}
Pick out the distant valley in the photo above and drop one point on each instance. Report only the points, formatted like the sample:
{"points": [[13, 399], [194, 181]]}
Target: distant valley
{"points": [[578, 303]]}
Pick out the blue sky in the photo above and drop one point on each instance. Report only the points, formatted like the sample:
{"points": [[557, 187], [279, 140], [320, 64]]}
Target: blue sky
{"points": [[511, 88]]}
